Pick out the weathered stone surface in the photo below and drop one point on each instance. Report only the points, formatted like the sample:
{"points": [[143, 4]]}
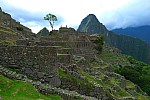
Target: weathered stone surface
{"points": [[28, 71], [33, 61], [40, 74]]}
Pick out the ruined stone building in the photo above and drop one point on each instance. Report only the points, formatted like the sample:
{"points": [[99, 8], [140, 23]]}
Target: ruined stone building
{"points": [[38, 58], [8, 21]]}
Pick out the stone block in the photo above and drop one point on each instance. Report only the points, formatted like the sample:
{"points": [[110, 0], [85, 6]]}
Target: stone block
{"points": [[40, 75], [28, 71], [36, 66]]}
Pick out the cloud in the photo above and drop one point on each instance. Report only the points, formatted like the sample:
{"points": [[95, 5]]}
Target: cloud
{"points": [[34, 20], [134, 14], [112, 13]]}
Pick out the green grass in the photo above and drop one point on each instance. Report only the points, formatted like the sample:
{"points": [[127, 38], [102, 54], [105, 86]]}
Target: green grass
{"points": [[101, 76], [90, 78], [143, 98], [114, 81], [122, 93], [18, 90], [75, 80], [6, 32], [11, 42], [130, 84]]}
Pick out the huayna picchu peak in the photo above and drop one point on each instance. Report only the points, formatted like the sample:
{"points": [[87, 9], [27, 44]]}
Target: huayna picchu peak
{"points": [[132, 46], [66, 64], [92, 25]]}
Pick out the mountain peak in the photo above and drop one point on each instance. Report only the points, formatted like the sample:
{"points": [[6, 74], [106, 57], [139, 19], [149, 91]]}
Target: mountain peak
{"points": [[43, 32], [92, 25], [91, 15]]}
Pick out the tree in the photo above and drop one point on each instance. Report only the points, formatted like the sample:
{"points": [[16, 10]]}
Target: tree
{"points": [[51, 19], [99, 41]]}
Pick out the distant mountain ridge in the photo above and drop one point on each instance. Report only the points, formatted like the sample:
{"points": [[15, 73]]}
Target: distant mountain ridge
{"points": [[91, 25], [129, 45], [134, 47], [141, 32]]}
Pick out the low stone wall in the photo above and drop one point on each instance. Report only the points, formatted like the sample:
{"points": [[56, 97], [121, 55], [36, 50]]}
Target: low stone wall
{"points": [[97, 91], [38, 63], [45, 88]]}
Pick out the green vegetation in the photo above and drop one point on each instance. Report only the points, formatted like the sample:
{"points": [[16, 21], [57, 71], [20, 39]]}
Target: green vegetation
{"points": [[75, 80], [18, 90], [107, 84], [91, 79], [130, 84], [130, 46], [114, 81], [143, 98], [133, 70], [99, 41], [11, 42], [51, 19], [7, 30], [19, 28], [139, 73], [122, 93]]}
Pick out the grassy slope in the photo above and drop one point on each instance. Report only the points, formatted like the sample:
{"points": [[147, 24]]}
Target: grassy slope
{"points": [[18, 90]]}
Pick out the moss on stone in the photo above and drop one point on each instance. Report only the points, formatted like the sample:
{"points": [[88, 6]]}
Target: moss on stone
{"points": [[10, 42], [122, 93], [75, 80]]}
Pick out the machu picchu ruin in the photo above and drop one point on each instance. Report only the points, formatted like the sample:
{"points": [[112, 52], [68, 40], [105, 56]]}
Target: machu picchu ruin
{"points": [[70, 64]]}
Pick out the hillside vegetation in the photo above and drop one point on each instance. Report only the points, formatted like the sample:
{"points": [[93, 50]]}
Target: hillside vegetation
{"points": [[100, 76], [130, 46], [133, 70], [141, 32], [19, 90]]}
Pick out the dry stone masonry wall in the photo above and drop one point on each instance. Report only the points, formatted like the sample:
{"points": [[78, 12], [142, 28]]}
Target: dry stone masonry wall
{"points": [[45, 88], [39, 63]]}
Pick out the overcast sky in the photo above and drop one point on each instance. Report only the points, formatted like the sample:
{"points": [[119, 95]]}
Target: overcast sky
{"points": [[112, 13]]}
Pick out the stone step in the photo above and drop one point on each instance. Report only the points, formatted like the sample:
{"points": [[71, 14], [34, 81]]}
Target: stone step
{"points": [[9, 72], [4, 69]]}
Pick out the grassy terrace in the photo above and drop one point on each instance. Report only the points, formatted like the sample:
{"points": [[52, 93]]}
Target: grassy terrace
{"points": [[75, 80], [18, 90], [107, 84]]}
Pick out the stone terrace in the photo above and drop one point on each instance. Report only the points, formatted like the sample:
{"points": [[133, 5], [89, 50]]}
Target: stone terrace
{"points": [[37, 62]]}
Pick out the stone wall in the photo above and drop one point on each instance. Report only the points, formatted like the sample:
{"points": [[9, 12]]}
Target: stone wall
{"points": [[45, 89], [73, 45], [79, 48], [38, 63]]}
